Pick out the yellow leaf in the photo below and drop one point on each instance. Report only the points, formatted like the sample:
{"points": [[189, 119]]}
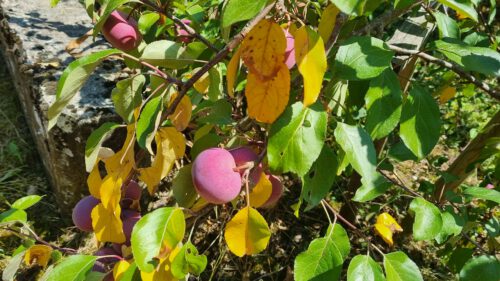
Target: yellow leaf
{"points": [[120, 268], [327, 22], [170, 146], [446, 94], [261, 191], [232, 72], [268, 99], [94, 182], [163, 271], [107, 224], [110, 191], [247, 233], [386, 226], [182, 115], [202, 84], [122, 162], [38, 254], [311, 60], [263, 50]]}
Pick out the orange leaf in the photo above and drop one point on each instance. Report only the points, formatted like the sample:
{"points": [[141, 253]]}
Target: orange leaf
{"points": [[263, 50], [268, 99], [232, 72], [107, 224], [182, 115], [446, 94]]}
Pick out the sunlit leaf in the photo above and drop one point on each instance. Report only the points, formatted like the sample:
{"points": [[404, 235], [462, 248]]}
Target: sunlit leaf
{"points": [[107, 225], [327, 22], [267, 99], [72, 268], [364, 268], [311, 60], [428, 221], [94, 142], [240, 10], [188, 261], [232, 72], [247, 233], [163, 271], [263, 50], [261, 191], [398, 267], [158, 231], [119, 269], [386, 226], [127, 96], [25, 202], [483, 268], [171, 145], [183, 188]]}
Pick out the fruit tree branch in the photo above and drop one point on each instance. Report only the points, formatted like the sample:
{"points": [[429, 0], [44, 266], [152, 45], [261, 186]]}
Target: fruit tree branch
{"points": [[454, 67]]}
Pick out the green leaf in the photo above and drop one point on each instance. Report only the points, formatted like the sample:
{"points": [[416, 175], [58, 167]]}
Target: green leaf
{"points": [[364, 268], [464, 7], [420, 122], [188, 261], [452, 225], [318, 181], [207, 141], [324, 258], [183, 187], [361, 154], [168, 54], [72, 79], [401, 4], [25, 202], [383, 103], [72, 268], [131, 274], [483, 193], [107, 9], [215, 86], [94, 142], [13, 215], [296, 138], [399, 267], [362, 57], [217, 113], [127, 96], [400, 152], [9, 272], [89, 7], [357, 7], [148, 122], [428, 221], [458, 259], [240, 10], [447, 26], [478, 59], [54, 3], [484, 268], [146, 21], [161, 228]]}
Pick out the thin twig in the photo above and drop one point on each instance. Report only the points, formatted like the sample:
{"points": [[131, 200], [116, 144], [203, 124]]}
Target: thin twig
{"points": [[454, 67], [159, 73]]}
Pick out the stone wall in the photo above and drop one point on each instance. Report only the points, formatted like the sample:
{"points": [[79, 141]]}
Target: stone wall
{"points": [[33, 37]]}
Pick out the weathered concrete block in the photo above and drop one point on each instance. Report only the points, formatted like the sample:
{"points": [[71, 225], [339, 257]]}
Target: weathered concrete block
{"points": [[33, 37]]}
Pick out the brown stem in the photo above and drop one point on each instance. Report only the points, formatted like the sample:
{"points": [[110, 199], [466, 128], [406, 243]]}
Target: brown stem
{"points": [[159, 73], [454, 67]]}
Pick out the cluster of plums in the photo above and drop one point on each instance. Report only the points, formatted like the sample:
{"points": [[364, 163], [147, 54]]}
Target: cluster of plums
{"points": [[217, 175]]}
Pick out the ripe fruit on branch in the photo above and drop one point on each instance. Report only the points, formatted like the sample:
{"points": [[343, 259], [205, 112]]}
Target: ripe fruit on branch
{"points": [[182, 34], [290, 50], [276, 193], [215, 177], [129, 219], [242, 155], [131, 192], [81, 213], [121, 32]]}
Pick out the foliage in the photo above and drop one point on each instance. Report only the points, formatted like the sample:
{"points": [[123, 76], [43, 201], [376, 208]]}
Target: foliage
{"points": [[342, 117]]}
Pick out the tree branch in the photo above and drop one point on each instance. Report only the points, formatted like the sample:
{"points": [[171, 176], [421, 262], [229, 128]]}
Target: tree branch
{"points": [[454, 67]]}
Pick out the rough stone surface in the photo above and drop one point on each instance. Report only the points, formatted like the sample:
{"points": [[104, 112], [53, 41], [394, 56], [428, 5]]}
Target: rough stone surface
{"points": [[33, 37]]}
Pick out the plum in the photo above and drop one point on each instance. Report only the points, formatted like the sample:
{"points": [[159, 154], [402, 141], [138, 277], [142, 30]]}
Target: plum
{"points": [[107, 251], [82, 213], [215, 177], [129, 219], [275, 193], [131, 192], [245, 154], [182, 34], [290, 50], [121, 31]]}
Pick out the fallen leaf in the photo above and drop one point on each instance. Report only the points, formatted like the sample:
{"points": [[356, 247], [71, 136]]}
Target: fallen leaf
{"points": [[386, 226], [38, 254]]}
